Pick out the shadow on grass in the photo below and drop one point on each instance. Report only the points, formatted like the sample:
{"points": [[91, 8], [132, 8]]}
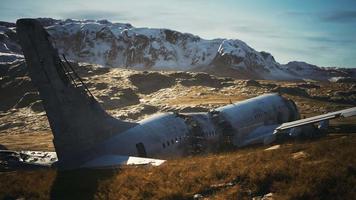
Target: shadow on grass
{"points": [[342, 128], [78, 184]]}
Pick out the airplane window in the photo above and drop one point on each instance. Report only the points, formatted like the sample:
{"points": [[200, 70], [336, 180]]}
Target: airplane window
{"points": [[164, 145], [167, 143]]}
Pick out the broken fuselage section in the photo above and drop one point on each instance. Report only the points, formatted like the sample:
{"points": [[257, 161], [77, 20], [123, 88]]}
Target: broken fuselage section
{"points": [[177, 134]]}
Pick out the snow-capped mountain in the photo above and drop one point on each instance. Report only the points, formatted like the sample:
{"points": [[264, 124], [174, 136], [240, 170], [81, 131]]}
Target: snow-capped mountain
{"points": [[309, 71], [122, 45]]}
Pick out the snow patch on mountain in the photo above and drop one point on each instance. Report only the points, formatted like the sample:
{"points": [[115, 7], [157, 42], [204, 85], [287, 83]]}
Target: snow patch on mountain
{"points": [[309, 71], [122, 45], [10, 50]]}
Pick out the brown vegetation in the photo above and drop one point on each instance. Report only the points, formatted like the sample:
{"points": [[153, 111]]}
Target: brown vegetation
{"points": [[327, 171]]}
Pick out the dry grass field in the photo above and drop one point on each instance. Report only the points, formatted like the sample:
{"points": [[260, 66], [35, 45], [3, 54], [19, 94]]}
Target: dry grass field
{"points": [[323, 168]]}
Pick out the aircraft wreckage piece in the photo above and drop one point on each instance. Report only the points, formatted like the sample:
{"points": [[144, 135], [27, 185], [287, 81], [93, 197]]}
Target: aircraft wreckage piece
{"points": [[85, 135], [13, 160]]}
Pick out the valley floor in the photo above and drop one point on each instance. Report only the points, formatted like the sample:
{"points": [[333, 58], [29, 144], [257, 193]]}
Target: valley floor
{"points": [[323, 168]]}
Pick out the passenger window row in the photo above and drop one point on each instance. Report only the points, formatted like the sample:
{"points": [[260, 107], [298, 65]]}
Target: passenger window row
{"points": [[172, 141], [179, 139], [258, 116], [212, 133]]}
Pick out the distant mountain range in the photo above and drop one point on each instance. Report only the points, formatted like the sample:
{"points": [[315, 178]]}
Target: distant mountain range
{"points": [[122, 45]]}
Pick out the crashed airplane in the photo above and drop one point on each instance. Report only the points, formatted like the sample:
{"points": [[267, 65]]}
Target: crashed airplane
{"points": [[85, 136]]}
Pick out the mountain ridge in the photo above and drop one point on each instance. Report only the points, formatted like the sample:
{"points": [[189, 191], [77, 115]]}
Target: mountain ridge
{"points": [[123, 45]]}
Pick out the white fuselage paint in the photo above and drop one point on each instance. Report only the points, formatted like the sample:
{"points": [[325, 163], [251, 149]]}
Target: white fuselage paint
{"points": [[162, 135]]}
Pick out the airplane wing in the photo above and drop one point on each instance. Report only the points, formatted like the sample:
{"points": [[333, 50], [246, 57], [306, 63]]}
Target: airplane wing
{"points": [[311, 120], [267, 134]]}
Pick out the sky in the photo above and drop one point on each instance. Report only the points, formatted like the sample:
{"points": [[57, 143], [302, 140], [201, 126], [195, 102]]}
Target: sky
{"points": [[320, 32]]}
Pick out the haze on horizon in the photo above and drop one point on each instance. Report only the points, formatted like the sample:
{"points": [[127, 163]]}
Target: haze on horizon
{"points": [[320, 32]]}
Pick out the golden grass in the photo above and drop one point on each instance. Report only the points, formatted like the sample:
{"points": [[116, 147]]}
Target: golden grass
{"points": [[38, 141], [328, 171]]}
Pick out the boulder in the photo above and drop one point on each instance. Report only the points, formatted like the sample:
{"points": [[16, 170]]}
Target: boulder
{"points": [[118, 98], [203, 79], [291, 90], [253, 83], [149, 82], [37, 106], [308, 85]]}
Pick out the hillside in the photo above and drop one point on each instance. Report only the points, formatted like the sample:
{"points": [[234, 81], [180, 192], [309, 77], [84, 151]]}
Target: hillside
{"points": [[125, 46]]}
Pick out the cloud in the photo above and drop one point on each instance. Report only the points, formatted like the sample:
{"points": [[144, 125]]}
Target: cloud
{"points": [[97, 14], [328, 39], [339, 16], [278, 33], [259, 30], [296, 14]]}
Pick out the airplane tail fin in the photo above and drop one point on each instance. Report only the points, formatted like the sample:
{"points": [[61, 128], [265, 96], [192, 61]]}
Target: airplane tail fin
{"points": [[77, 120]]}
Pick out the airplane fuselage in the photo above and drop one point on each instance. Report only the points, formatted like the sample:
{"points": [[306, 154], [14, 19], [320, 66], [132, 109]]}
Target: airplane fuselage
{"points": [[171, 134]]}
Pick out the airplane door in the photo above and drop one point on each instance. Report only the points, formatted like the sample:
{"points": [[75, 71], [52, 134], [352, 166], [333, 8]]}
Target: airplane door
{"points": [[141, 150]]}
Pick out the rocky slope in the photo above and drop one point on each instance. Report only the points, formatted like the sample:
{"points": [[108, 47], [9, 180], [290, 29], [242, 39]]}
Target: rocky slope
{"points": [[122, 45]]}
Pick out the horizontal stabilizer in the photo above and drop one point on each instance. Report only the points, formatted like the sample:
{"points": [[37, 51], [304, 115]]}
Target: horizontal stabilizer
{"points": [[112, 161]]}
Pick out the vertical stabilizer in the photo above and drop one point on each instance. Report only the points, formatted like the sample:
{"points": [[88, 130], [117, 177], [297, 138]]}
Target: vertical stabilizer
{"points": [[77, 120]]}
